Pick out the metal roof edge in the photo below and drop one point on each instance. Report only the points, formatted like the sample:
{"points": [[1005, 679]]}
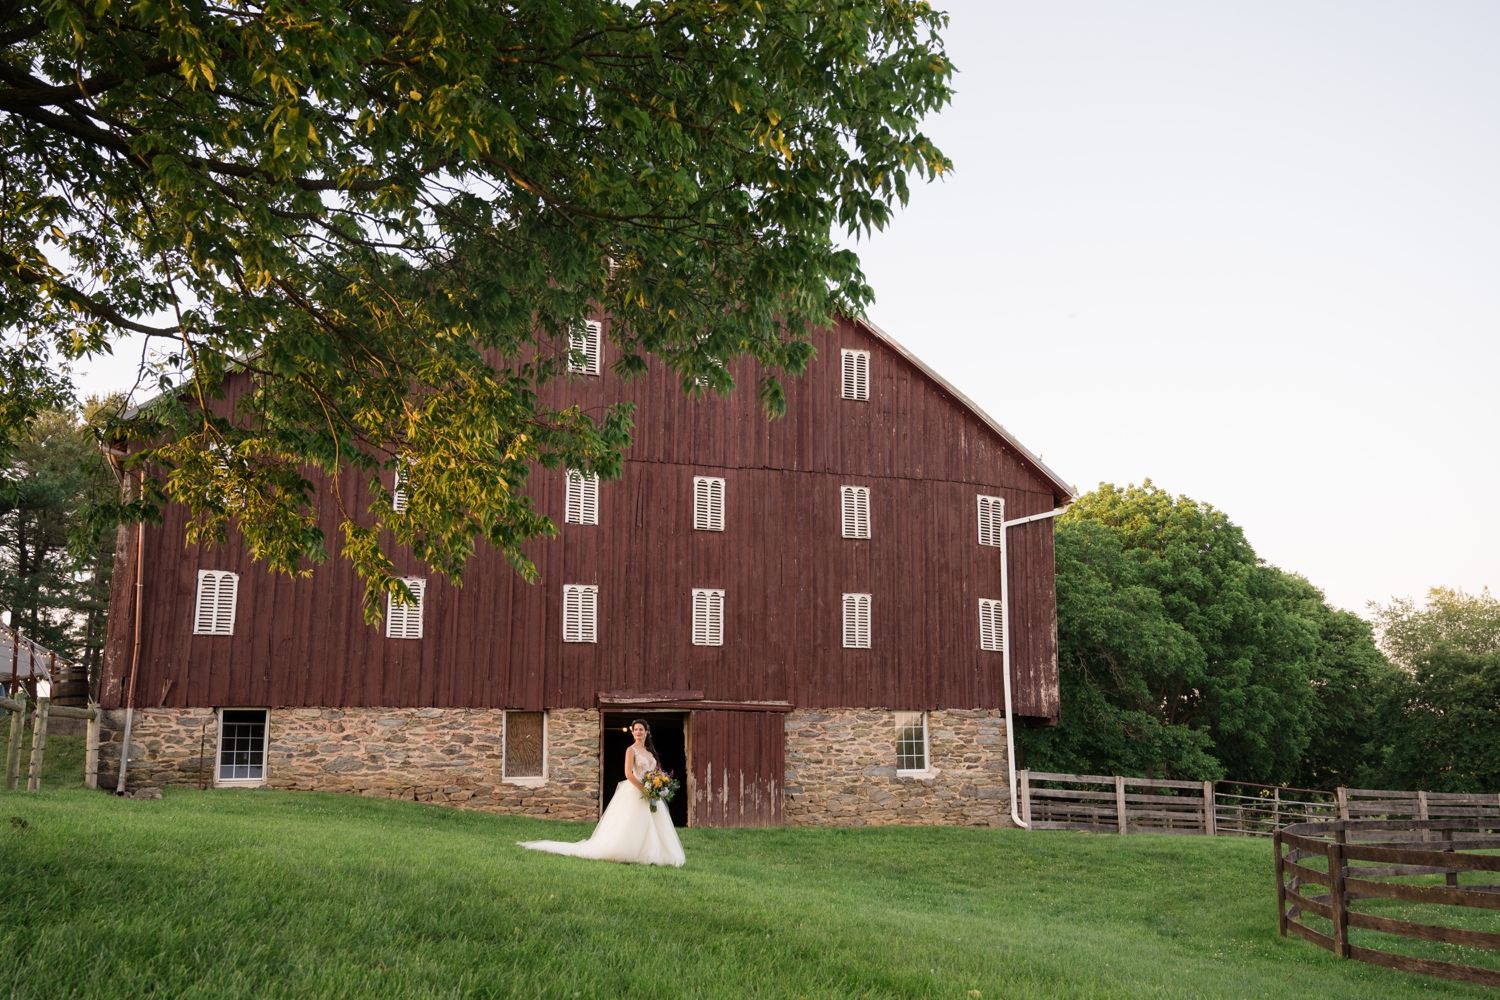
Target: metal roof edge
{"points": [[989, 421]]}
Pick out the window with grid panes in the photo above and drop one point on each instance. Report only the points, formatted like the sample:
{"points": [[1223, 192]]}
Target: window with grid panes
{"points": [[855, 504], [911, 742], [242, 744], [525, 750], [218, 595]]}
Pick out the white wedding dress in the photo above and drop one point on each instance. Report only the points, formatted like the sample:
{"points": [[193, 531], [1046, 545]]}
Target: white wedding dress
{"points": [[628, 831]]}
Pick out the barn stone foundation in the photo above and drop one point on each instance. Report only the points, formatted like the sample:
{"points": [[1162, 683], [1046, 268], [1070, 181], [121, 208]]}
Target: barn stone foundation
{"points": [[841, 771], [449, 756]]}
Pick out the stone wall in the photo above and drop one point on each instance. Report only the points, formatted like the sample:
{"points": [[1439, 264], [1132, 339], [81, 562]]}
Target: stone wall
{"points": [[442, 755], [841, 770]]}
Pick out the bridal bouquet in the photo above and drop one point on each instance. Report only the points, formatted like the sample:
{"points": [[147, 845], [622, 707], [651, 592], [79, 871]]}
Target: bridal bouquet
{"points": [[659, 786]]}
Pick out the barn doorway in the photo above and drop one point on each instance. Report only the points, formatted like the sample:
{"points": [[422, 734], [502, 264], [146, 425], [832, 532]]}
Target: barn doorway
{"points": [[669, 732]]}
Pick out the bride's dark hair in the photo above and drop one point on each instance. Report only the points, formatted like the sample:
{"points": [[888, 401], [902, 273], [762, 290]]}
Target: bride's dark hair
{"points": [[650, 743]]}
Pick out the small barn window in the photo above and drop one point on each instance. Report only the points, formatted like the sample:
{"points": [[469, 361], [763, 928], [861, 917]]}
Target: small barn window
{"points": [[708, 503], [856, 374], [218, 592], [582, 505], [708, 617], [911, 743], [856, 621], [580, 613], [399, 479], [404, 621], [991, 626], [586, 343], [242, 745], [856, 511], [991, 520], [524, 748]]}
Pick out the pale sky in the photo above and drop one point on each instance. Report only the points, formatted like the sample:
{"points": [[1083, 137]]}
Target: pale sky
{"points": [[1250, 251]]}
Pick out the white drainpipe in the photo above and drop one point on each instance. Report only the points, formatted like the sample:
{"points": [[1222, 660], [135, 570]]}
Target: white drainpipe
{"points": [[1010, 734]]}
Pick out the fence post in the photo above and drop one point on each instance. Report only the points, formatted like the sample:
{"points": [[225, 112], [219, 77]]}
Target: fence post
{"points": [[1120, 803], [1280, 884], [38, 745], [1025, 777], [13, 749], [91, 748], [1336, 896], [1343, 803], [1210, 821]]}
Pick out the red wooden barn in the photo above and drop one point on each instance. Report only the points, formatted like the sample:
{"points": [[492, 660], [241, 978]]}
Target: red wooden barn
{"points": [[814, 614]]}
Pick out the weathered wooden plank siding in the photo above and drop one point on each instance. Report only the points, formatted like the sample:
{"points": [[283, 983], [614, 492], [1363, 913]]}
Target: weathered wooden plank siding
{"points": [[497, 642]]}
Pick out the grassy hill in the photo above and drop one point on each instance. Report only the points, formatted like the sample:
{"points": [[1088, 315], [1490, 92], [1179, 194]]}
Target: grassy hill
{"points": [[254, 894]]}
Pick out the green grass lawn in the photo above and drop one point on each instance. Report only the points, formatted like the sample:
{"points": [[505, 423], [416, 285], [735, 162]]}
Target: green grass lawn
{"points": [[255, 894]]}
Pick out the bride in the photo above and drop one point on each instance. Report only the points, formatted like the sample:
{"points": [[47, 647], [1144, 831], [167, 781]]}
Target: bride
{"points": [[629, 830]]}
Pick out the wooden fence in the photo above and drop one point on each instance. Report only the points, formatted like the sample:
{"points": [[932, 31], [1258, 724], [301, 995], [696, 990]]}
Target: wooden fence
{"points": [[44, 711], [1326, 854], [1116, 804]]}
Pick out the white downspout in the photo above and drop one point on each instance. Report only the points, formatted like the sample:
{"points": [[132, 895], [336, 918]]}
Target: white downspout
{"points": [[1010, 734]]}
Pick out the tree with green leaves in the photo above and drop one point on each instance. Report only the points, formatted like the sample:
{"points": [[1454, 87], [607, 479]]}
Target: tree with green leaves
{"points": [[1442, 730], [390, 217], [1183, 655], [1409, 632]]}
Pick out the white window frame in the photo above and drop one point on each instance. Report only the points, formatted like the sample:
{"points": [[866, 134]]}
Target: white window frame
{"points": [[708, 617], [708, 503], [854, 374], [991, 520], [399, 479], [395, 611], [585, 596], [991, 625], [581, 504], [525, 780], [853, 604], [854, 511], [590, 342], [265, 750], [902, 719], [216, 622]]}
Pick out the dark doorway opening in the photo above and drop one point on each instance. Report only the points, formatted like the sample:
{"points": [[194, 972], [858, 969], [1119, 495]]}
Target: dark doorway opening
{"points": [[669, 732]]}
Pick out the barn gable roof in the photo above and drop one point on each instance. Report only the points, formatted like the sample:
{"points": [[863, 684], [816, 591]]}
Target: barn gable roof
{"points": [[1065, 492]]}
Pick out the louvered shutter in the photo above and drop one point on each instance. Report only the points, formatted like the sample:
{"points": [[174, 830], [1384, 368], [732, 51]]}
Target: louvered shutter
{"points": [[218, 595], [587, 343], [708, 617], [582, 504], [398, 491], [856, 374], [991, 626], [991, 520], [856, 621], [855, 501], [404, 621], [580, 613], [708, 503]]}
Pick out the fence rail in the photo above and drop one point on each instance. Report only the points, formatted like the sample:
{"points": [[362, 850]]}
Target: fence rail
{"points": [[1326, 855], [1118, 804]]}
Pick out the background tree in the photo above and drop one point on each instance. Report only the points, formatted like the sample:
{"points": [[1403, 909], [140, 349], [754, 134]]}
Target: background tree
{"points": [[1442, 729], [392, 215], [1183, 655], [1408, 632]]}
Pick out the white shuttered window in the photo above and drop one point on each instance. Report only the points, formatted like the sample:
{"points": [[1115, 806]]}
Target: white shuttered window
{"points": [[587, 343], [856, 511], [404, 621], [582, 504], [580, 613], [708, 617], [856, 374], [218, 593], [856, 621], [991, 521], [708, 503], [991, 626], [398, 486]]}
